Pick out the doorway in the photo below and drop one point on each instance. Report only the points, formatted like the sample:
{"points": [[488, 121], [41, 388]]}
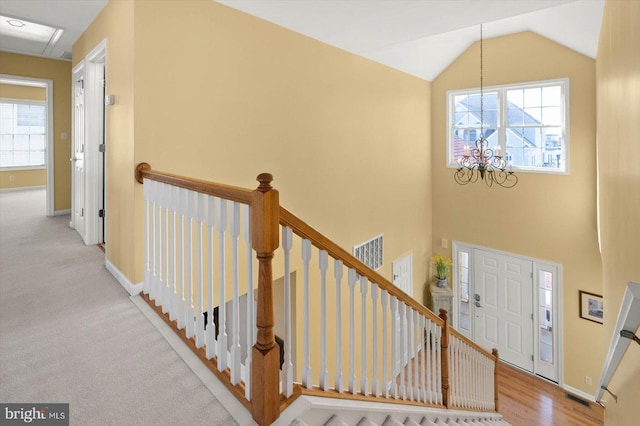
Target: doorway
{"points": [[47, 85], [511, 303], [89, 142]]}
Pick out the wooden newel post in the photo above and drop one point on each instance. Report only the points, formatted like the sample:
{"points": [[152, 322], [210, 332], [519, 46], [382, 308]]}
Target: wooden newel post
{"points": [[265, 220], [495, 379], [444, 346]]}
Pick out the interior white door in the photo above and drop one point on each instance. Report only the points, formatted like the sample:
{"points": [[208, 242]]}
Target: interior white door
{"points": [[402, 274], [503, 308], [77, 160]]}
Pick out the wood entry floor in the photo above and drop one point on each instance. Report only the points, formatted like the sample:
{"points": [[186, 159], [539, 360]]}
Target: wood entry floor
{"points": [[526, 400]]}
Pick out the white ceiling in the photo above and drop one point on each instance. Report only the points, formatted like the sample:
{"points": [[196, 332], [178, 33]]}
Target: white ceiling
{"points": [[422, 37], [419, 37], [73, 16]]}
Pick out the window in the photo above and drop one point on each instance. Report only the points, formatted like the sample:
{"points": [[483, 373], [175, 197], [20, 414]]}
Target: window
{"points": [[524, 123], [22, 134]]}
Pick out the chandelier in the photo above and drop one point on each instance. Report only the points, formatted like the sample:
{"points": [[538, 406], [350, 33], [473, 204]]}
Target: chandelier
{"points": [[481, 161]]}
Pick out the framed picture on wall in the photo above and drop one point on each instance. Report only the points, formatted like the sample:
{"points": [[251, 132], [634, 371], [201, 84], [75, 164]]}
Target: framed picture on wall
{"points": [[591, 306]]}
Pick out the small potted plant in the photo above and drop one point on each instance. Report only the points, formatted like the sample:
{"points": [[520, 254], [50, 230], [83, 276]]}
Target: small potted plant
{"points": [[442, 263]]}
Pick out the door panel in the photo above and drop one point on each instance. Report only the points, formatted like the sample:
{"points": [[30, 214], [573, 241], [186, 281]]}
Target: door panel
{"points": [[503, 306]]}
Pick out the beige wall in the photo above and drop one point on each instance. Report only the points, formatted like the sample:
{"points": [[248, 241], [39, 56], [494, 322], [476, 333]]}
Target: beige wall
{"points": [[546, 217], [22, 178], [346, 139], [618, 90], [60, 72], [115, 23]]}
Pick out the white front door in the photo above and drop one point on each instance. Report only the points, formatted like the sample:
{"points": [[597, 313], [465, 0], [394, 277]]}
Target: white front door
{"points": [[77, 159], [503, 310]]}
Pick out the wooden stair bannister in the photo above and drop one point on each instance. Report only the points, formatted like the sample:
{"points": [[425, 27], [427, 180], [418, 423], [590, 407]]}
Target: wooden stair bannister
{"points": [[265, 400]]}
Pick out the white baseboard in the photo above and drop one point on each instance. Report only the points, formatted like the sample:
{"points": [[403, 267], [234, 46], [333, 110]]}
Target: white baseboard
{"points": [[62, 212], [131, 288], [580, 393], [23, 188]]}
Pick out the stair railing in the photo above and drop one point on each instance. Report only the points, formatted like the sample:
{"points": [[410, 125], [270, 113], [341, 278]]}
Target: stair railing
{"points": [[202, 243]]}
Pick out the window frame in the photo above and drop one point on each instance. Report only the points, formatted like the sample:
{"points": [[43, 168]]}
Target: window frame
{"points": [[46, 148], [502, 120]]}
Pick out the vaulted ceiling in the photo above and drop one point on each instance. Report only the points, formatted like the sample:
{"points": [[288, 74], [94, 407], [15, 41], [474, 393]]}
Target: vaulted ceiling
{"points": [[419, 37]]}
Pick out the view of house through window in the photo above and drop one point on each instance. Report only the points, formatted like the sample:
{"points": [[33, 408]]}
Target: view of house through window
{"points": [[523, 123], [22, 134]]}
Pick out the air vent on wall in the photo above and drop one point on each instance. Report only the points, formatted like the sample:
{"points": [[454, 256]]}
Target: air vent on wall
{"points": [[66, 55], [370, 252]]}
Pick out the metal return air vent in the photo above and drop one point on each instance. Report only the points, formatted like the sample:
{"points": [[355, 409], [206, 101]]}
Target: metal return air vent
{"points": [[370, 252]]}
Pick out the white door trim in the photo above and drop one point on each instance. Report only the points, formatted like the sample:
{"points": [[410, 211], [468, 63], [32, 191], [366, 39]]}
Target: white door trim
{"points": [[537, 264], [48, 87]]}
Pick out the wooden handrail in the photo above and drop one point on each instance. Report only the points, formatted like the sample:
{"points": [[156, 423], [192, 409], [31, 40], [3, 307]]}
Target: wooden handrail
{"points": [[228, 192], [305, 231]]}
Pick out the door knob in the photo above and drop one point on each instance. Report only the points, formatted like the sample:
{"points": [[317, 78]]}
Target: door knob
{"points": [[478, 305], [477, 297]]}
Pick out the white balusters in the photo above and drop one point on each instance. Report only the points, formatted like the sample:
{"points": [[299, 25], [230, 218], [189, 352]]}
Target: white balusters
{"points": [[190, 314], [416, 364], [395, 347], [409, 351], [235, 304], [339, 381], [148, 233], [385, 345], [166, 297], [200, 214], [174, 309], [287, 368], [324, 373], [182, 303], [402, 348], [351, 279], [211, 327], [306, 369], [221, 221], [250, 304], [374, 320], [364, 381]]}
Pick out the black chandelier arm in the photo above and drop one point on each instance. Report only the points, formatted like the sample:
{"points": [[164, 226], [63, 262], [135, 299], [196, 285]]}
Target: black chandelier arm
{"points": [[503, 178], [464, 176]]}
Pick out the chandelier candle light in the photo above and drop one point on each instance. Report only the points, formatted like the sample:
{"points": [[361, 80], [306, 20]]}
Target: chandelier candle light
{"points": [[482, 161]]}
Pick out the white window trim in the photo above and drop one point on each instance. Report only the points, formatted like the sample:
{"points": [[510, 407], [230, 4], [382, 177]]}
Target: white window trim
{"points": [[451, 162]]}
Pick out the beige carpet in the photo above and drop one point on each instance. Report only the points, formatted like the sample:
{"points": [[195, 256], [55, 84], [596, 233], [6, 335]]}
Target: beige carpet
{"points": [[69, 332]]}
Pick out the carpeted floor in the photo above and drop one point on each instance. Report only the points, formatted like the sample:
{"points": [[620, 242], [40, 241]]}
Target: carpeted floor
{"points": [[69, 332]]}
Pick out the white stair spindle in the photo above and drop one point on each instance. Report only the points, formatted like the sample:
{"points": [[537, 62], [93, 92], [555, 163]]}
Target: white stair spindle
{"points": [[402, 346], [221, 220], [153, 240], [423, 360], [166, 299], [235, 325], [147, 234], [324, 373], [182, 209], [385, 344], [351, 279], [409, 352], [339, 380], [416, 352], [364, 381], [249, 299], [395, 339], [174, 245], [306, 369], [438, 364], [200, 215], [287, 368], [190, 317], [374, 320], [211, 327], [428, 344]]}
